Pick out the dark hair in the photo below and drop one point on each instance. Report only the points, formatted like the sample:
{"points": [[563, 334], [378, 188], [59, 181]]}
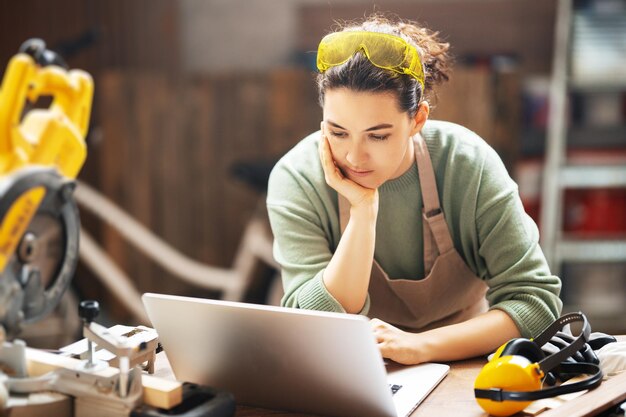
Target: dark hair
{"points": [[359, 74]]}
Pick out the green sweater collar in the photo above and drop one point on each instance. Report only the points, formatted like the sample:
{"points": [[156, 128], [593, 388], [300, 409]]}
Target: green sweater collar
{"points": [[408, 180]]}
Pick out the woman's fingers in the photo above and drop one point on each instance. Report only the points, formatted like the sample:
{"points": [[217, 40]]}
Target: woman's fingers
{"points": [[378, 329], [331, 171], [333, 175], [382, 330]]}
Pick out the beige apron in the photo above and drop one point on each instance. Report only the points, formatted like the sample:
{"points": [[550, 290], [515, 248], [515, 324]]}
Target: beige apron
{"points": [[450, 293]]}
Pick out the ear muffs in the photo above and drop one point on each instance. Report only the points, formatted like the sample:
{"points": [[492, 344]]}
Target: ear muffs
{"points": [[523, 347], [528, 349], [512, 379], [513, 367]]}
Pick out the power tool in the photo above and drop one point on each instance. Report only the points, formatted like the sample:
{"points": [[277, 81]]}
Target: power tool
{"points": [[44, 117], [41, 152]]}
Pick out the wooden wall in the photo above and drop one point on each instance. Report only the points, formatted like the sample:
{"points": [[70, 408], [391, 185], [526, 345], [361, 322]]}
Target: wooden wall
{"points": [[168, 148], [96, 35], [489, 103]]}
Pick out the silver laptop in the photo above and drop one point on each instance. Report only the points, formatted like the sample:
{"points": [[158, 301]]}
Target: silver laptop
{"points": [[287, 359]]}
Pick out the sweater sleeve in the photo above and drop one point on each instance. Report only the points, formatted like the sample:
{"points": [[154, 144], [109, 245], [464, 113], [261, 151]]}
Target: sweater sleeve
{"points": [[301, 214], [519, 280]]}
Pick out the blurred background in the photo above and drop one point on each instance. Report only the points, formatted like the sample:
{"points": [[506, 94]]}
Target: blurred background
{"points": [[196, 99]]}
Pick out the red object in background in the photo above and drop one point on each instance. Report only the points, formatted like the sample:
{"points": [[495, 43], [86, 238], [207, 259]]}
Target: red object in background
{"points": [[533, 209], [587, 213], [595, 212]]}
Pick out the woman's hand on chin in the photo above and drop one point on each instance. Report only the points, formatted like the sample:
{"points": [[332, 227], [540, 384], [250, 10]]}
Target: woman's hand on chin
{"points": [[357, 195]]}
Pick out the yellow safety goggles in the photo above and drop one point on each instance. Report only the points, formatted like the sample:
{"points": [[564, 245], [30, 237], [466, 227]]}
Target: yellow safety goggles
{"points": [[383, 50]]}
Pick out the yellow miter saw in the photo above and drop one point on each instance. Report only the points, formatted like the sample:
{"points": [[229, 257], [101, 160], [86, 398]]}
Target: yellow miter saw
{"points": [[41, 152], [42, 149]]}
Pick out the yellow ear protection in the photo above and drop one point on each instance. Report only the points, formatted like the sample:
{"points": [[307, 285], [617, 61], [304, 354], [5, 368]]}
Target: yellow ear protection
{"points": [[513, 378]]}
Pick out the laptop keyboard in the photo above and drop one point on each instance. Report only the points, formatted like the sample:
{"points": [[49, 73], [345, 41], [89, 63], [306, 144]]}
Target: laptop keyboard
{"points": [[394, 388]]}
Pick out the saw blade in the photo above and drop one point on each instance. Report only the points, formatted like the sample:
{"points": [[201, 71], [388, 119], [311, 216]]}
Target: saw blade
{"points": [[42, 266]]}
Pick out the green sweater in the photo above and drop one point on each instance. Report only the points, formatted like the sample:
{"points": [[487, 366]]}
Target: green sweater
{"points": [[489, 227]]}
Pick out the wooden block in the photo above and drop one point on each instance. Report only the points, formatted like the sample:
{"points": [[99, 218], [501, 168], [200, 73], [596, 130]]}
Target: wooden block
{"points": [[162, 393], [157, 392]]}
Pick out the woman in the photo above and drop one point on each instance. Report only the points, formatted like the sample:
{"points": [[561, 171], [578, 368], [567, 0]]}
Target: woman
{"points": [[412, 222]]}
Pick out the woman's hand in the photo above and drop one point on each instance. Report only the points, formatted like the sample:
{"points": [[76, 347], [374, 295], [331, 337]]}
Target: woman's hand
{"points": [[356, 194], [398, 345]]}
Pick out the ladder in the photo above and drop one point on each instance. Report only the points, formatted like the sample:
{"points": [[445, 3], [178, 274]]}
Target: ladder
{"points": [[559, 174]]}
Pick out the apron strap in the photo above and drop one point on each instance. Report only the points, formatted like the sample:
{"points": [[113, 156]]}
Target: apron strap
{"points": [[430, 196], [430, 245], [435, 226]]}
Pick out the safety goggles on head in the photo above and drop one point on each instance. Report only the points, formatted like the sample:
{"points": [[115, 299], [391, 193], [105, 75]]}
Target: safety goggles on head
{"points": [[383, 50]]}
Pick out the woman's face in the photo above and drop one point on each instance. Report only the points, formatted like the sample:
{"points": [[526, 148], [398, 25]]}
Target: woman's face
{"points": [[370, 137]]}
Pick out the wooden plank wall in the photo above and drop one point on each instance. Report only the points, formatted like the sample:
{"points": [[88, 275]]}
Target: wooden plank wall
{"points": [[124, 34], [489, 103], [167, 150]]}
